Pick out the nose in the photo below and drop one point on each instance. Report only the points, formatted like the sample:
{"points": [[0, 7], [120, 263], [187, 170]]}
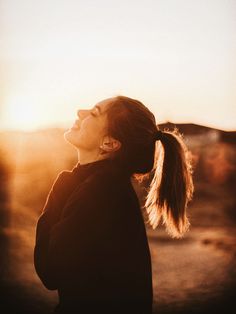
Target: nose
{"points": [[82, 113]]}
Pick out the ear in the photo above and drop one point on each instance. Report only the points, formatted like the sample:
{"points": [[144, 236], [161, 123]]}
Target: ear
{"points": [[110, 144]]}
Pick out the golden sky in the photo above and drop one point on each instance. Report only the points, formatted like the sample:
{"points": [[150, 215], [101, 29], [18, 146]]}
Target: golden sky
{"points": [[177, 56]]}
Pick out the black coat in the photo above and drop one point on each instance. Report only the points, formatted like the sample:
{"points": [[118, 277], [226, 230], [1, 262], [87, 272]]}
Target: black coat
{"points": [[91, 243]]}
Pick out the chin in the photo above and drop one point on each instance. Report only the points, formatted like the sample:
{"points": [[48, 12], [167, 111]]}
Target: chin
{"points": [[71, 136]]}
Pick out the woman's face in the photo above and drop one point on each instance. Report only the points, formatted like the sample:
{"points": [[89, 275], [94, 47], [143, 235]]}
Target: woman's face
{"points": [[90, 128]]}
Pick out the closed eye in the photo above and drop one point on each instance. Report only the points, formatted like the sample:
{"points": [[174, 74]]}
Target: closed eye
{"points": [[95, 111]]}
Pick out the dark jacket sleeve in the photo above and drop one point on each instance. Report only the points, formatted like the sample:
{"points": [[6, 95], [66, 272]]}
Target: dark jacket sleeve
{"points": [[84, 222], [48, 218]]}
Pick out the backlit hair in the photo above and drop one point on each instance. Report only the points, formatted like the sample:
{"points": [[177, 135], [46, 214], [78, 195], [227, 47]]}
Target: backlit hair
{"points": [[171, 188]]}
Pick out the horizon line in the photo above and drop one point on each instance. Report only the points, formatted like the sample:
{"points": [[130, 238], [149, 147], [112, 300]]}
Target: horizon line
{"points": [[60, 126]]}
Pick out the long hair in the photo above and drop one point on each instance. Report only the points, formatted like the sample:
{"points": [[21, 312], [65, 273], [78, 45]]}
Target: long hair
{"points": [[171, 188]]}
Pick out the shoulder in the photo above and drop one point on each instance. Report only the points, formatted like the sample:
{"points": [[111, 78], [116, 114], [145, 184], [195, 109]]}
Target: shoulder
{"points": [[61, 178], [63, 175]]}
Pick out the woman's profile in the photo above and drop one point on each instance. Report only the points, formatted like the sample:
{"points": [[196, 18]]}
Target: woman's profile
{"points": [[91, 242]]}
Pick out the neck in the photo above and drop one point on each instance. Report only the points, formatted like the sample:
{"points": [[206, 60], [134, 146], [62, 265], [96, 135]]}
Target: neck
{"points": [[85, 157]]}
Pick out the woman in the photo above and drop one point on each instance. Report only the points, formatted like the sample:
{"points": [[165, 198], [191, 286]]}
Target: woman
{"points": [[91, 242]]}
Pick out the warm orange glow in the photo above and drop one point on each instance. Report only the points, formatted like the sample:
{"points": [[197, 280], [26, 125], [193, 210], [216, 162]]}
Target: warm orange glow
{"points": [[23, 112]]}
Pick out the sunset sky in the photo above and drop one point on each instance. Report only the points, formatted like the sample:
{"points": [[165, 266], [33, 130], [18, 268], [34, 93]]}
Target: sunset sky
{"points": [[176, 56]]}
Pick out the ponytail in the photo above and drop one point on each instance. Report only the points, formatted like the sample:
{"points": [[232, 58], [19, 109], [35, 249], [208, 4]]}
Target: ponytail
{"points": [[171, 187]]}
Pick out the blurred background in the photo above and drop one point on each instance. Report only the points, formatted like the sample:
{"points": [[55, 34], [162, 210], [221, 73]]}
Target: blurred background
{"points": [[178, 58]]}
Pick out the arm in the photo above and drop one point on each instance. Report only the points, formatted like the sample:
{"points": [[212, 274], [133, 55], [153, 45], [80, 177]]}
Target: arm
{"points": [[96, 240], [85, 224], [49, 216]]}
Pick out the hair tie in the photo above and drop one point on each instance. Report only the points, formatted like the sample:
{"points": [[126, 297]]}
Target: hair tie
{"points": [[158, 135]]}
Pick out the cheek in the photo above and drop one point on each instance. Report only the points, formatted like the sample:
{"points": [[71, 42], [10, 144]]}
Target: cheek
{"points": [[89, 136], [92, 130], [91, 124]]}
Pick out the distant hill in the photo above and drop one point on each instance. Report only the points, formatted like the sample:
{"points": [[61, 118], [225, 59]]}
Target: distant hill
{"points": [[191, 129]]}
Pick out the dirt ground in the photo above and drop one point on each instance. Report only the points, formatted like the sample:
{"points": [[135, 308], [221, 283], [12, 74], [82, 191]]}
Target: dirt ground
{"points": [[196, 274]]}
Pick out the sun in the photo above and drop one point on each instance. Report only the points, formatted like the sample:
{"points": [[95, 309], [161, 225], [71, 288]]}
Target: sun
{"points": [[22, 113]]}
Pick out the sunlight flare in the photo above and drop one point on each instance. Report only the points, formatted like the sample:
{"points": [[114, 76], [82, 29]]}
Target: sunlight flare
{"points": [[23, 112]]}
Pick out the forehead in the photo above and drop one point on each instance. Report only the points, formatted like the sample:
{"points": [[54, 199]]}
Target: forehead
{"points": [[104, 104]]}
